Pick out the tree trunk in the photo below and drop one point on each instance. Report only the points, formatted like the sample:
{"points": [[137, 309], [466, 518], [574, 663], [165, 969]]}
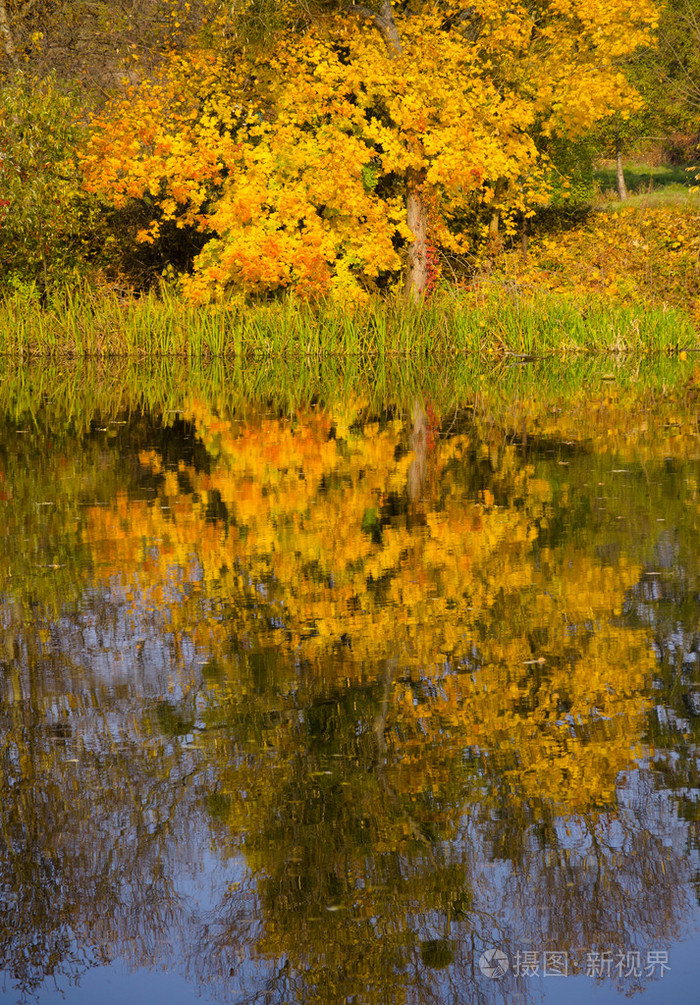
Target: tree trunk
{"points": [[383, 22], [495, 222], [416, 211], [386, 24], [494, 226], [621, 187], [6, 35], [417, 219]]}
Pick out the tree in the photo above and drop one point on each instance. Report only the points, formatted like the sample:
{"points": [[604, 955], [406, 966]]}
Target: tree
{"points": [[336, 154], [670, 71]]}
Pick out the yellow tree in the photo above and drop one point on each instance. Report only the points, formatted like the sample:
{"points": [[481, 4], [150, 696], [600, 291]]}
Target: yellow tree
{"points": [[340, 152]]}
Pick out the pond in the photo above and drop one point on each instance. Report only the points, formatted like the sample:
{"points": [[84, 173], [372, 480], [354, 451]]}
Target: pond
{"points": [[350, 683]]}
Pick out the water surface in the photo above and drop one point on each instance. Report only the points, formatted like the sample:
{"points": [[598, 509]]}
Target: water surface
{"points": [[365, 687]]}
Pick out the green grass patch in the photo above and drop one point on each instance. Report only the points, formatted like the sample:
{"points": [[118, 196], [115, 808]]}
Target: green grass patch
{"points": [[647, 185]]}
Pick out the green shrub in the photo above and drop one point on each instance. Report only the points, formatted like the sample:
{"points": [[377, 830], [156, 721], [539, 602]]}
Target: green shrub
{"points": [[49, 228]]}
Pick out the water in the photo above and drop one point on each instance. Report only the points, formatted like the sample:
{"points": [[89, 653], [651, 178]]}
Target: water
{"points": [[349, 694]]}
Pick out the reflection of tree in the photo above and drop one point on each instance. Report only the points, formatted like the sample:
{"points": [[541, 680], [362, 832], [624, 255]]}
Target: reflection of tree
{"points": [[389, 705], [666, 602], [418, 441], [591, 883], [87, 864], [334, 843], [353, 877]]}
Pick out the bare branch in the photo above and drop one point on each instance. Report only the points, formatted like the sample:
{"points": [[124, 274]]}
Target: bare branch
{"points": [[6, 35], [24, 10]]}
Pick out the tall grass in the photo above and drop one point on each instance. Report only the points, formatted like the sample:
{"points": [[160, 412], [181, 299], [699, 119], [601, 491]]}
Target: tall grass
{"points": [[486, 323]]}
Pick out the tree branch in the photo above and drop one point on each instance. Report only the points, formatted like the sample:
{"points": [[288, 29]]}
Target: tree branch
{"points": [[24, 10], [383, 21], [6, 35]]}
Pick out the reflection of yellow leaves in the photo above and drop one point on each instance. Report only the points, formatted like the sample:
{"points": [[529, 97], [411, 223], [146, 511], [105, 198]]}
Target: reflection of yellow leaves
{"points": [[151, 459], [457, 578]]}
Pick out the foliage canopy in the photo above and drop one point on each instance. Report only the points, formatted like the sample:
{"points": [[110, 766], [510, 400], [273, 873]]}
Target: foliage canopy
{"points": [[352, 138]]}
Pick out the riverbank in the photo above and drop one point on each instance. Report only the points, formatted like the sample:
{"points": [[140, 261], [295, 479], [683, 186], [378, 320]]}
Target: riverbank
{"points": [[488, 320], [615, 279]]}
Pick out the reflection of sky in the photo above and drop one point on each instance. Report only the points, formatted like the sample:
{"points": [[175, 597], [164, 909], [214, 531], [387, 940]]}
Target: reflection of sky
{"points": [[117, 984], [506, 910], [121, 659]]}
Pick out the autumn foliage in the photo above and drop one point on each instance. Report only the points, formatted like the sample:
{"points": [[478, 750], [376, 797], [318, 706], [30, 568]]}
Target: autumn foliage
{"points": [[297, 162], [647, 256]]}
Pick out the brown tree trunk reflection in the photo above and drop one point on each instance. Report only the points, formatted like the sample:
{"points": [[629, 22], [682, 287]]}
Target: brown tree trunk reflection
{"points": [[418, 441]]}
